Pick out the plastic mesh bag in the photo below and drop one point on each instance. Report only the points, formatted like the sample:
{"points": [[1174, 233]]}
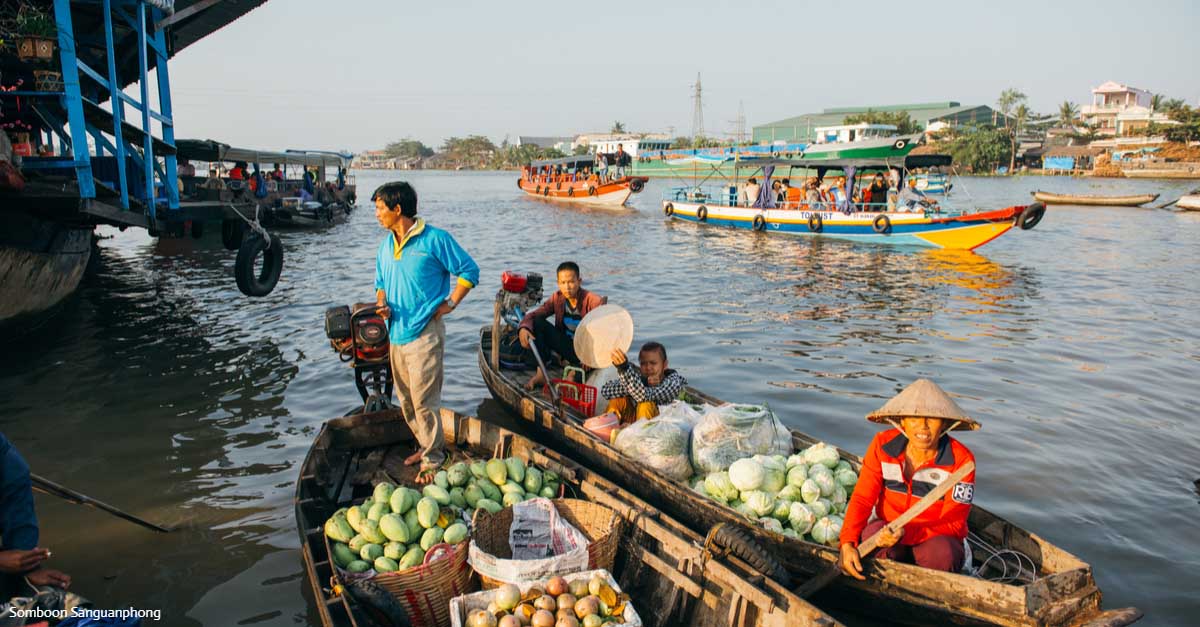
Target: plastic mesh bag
{"points": [[730, 432]]}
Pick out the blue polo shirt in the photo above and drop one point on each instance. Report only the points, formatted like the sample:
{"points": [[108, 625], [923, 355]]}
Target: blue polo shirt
{"points": [[414, 275], [18, 523]]}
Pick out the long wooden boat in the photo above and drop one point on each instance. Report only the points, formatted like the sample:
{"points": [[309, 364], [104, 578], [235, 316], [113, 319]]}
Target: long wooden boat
{"points": [[1190, 202], [878, 221], [1051, 198], [566, 180], [671, 574], [1063, 592]]}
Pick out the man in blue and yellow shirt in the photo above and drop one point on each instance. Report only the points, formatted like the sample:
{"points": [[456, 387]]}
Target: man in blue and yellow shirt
{"points": [[412, 290]]}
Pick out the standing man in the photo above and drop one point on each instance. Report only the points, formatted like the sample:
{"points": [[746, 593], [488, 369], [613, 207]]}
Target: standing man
{"points": [[622, 159], [412, 290]]}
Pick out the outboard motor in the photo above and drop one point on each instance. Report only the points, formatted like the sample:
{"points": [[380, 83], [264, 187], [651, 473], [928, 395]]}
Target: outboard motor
{"points": [[519, 293], [359, 335]]}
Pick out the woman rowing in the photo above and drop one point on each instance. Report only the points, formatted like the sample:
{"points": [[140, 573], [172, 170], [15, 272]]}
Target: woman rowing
{"points": [[901, 466]]}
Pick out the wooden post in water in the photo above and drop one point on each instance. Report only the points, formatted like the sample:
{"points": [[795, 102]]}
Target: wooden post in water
{"points": [[496, 337]]}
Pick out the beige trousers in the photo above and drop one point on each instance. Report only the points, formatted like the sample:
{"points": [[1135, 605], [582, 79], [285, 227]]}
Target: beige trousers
{"points": [[417, 370]]}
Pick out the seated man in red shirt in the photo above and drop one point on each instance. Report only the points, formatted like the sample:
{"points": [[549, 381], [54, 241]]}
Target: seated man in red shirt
{"points": [[568, 306], [901, 466]]}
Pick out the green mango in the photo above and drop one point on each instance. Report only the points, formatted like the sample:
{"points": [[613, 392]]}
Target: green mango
{"points": [[385, 564], [427, 511], [497, 471], [491, 491], [355, 516], [370, 531], [356, 543], [358, 566], [457, 497], [442, 480], [533, 480], [378, 510], [342, 512], [548, 492], [512, 498], [394, 550], [383, 492], [458, 474], [510, 487], [437, 493], [549, 475], [432, 536], [413, 557], [455, 533], [490, 505], [401, 500], [371, 551], [479, 469], [414, 524], [516, 468], [342, 555], [472, 494], [338, 529], [394, 528]]}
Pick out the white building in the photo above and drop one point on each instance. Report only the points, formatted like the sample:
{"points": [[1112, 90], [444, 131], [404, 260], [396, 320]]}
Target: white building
{"points": [[843, 133], [633, 143], [1120, 110]]}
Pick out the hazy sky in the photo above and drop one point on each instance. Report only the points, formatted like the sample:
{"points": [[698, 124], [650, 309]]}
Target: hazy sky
{"points": [[356, 74]]}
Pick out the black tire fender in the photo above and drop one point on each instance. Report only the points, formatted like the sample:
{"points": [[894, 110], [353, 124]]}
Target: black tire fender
{"points": [[233, 231], [571, 192], [558, 186], [636, 185], [546, 190], [815, 223], [669, 209], [882, 224], [702, 213], [519, 186], [899, 144], [272, 266], [741, 544], [538, 189], [1031, 216], [759, 223], [591, 190], [380, 604]]}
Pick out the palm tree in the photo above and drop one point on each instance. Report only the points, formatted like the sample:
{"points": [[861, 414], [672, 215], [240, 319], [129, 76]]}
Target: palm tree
{"points": [[1021, 117], [1009, 99], [1067, 112], [618, 127], [1156, 102]]}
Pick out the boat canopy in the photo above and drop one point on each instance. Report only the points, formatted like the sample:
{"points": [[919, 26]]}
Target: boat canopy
{"points": [[576, 161], [211, 151]]}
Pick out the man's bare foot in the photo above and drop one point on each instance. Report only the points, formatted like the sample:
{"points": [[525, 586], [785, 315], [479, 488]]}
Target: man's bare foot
{"points": [[536, 381], [413, 460], [426, 475]]}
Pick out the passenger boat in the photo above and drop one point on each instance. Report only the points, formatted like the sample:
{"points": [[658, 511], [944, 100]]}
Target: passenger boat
{"points": [[1190, 202], [1051, 198], [933, 183], [571, 180], [1062, 592], [874, 222], [672, 574]]}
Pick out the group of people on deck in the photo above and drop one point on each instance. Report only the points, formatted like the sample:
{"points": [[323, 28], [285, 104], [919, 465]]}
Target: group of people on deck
{"points": [[604, 168], [879, 195]]}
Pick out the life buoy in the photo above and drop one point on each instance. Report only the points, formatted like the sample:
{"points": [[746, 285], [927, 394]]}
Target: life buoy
{"points": [[815, 223], [882, 224], [759, 223], [702, 213], [1141, 166], [636, 185], [232, 232], [899, 144], [1032, 214], [591, 190], [570, 191], [272, 266], [669, 210], [774, 154]]}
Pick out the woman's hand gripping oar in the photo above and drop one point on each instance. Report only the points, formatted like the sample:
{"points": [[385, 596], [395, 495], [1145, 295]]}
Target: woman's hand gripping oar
{"points": [[895, 528]]}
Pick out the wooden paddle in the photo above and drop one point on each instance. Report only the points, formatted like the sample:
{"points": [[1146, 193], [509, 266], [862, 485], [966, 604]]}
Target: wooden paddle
{"points": [[822, 579], [47, 486]]}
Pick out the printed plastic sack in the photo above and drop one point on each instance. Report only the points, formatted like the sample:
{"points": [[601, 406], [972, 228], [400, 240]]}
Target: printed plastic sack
{"points": [[730, 432], [660, 443], [543, 545]]}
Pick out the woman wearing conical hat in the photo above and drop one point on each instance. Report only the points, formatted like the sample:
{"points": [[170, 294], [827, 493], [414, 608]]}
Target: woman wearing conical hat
{"points": [[901, 466]]}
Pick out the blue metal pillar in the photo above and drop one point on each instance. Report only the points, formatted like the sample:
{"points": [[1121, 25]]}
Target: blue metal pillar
{"points": [[74, 99], [167, 117], [118, 105], [148, 145]]}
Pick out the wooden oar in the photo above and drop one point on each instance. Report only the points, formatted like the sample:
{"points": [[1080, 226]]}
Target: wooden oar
{"points": [[47, 486], [822, 579]]}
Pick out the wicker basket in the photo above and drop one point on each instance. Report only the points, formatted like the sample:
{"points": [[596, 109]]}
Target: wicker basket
{"points": [[601, 526], [425, 591]]}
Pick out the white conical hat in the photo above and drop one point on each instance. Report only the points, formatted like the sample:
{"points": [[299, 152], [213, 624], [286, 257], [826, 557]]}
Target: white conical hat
{"points": [[601, 330], [924, 399]]}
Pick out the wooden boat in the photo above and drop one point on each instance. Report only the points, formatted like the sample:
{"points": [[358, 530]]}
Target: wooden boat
{"points": [[1101, 201], [568, 180], [1063, 592], [1190, 202], [668, 569]]}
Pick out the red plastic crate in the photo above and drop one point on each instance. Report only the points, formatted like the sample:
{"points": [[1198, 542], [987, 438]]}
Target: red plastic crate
{"points": [[577, 395]]}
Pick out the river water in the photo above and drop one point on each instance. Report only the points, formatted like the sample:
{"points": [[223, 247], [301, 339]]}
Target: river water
{"points": [[160, 389]]}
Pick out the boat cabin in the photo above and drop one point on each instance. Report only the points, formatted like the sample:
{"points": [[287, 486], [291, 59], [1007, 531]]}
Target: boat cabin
{"points": [[572, 169], [209, 170], [853, 132]]}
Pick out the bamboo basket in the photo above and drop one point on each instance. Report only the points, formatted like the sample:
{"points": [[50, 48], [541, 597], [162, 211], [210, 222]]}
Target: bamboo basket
{"points": [[601, 526]]}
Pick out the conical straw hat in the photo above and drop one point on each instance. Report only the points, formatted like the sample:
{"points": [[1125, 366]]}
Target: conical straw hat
{"points": [[601, 330], [923, 399]]}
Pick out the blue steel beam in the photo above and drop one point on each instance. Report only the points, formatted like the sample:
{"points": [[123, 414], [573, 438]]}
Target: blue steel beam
{"points": [[148, 144], [118, 107], [164, 103], [74, 99]]}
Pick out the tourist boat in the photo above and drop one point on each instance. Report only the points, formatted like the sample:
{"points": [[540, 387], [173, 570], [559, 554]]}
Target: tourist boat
{"points": [[570, 180], [1051, 198], [933, 183], [874, 222], [1062, 592], [669, 570], [1190, 202]]}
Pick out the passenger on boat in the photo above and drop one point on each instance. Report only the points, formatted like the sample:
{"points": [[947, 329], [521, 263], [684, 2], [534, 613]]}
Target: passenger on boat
{"points": [[186, 168], [777, 191], [20, 555], [912, 199], [622, 159], [900, 467], [277, 174], [750, 192], [636, 394], [413, 266], [214, 180], [602, 166], [568, 306], [239, 173], [812, 193], [876, 194]]}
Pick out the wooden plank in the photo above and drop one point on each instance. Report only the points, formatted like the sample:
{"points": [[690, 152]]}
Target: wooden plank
{"points": [[1114, 618], [666, 570]]}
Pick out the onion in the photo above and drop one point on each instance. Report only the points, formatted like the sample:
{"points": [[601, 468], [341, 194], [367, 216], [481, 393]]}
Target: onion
{"points": [[579, 588], [566, 600], [542, 618], [545, 602], [507, 597], [481, 618], [567, 621], [509, 621], [586, 606], [556, 586]]}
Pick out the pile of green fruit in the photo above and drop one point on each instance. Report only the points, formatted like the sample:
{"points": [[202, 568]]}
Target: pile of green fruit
{"points": [[395, 527]]}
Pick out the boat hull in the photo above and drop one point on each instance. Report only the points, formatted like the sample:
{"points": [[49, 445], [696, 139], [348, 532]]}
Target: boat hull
{"points": [[41, 263], [913, 229], [608, 195], [1098, 201], [1189, 203]]}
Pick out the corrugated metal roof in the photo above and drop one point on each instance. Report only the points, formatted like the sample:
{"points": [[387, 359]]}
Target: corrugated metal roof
{"points": [[830, 117]]}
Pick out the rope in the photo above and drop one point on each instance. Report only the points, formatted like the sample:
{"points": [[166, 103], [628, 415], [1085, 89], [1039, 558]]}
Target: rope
{"points": [[254, 224]]}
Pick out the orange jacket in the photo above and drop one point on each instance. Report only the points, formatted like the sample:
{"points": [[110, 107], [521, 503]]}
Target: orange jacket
{"points": [[883, 488]]}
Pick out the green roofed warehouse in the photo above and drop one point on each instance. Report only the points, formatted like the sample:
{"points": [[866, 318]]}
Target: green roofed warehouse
{"points": [[802, 127]]}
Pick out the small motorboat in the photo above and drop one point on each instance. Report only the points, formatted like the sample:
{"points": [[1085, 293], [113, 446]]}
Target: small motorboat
{"points": [[1093, 200]]}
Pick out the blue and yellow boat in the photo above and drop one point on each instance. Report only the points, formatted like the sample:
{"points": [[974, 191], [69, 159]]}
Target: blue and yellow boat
{"points": [[929, 225]]}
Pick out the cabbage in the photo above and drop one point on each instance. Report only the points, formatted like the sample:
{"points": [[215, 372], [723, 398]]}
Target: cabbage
{"points": [[659, 444], [771, 461], [773, 480], [759, 502], [796, 475], [731, 432], [801, 518], [820, 507], [770, 524], [845, 477], [821, 453], [718, 486], [746, 511], [791, 533], [780, 462], [810, 491], [827, 530], [735, 504], [698, 485], [825, 482], [782, 509], [839, 495], [790, 493], [746, 474], [842, 465]]}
